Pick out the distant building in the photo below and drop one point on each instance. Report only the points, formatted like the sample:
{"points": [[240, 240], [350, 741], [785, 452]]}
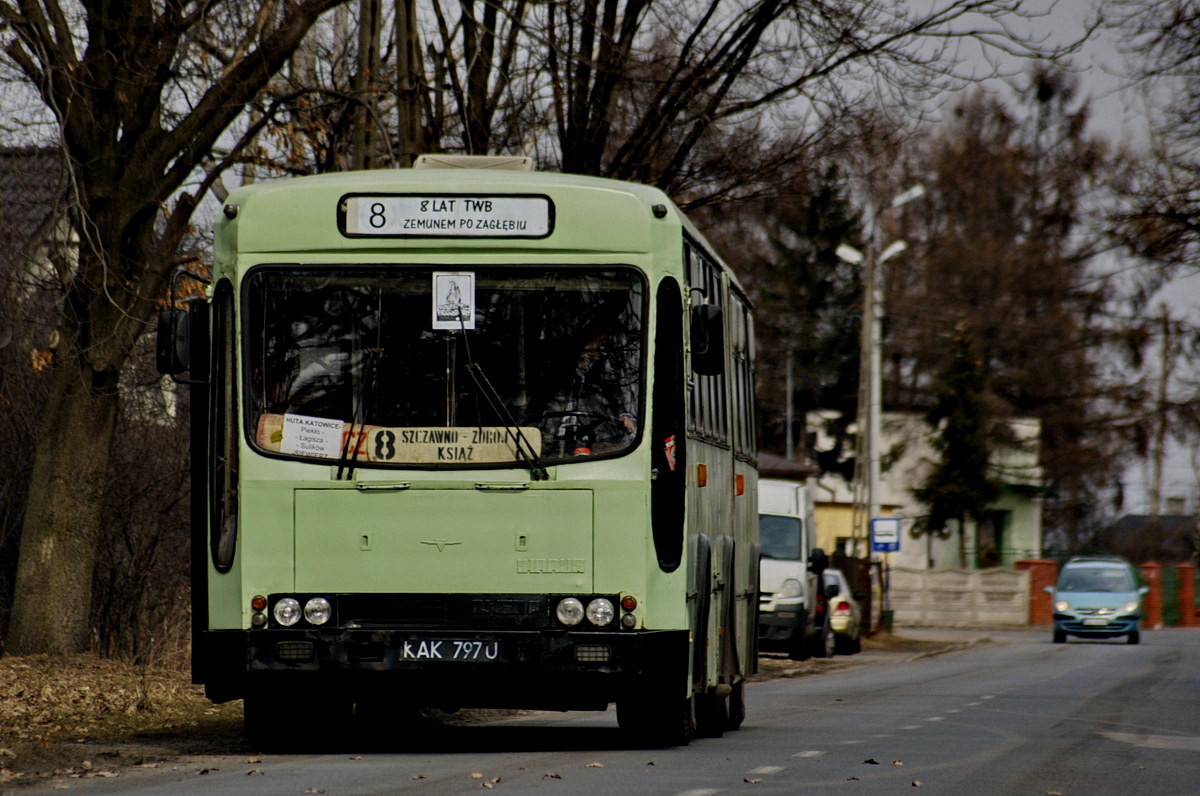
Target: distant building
{"points": [[1011, 531], [772, 466], [1165, 539]]}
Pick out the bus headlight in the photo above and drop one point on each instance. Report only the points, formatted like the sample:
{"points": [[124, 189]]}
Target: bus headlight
{"points": [[600, 612], [287, 611], [317, 611], [569, 611]]}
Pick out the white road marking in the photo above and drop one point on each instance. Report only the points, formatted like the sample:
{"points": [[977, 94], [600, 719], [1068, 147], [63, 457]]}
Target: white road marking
{"points": [[935, 718], [1190, 743], [701, 792], [913, 727], [809, 753], [767, 770]]}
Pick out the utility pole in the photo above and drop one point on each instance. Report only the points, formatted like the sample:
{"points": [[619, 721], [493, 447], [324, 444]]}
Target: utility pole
{"points": [[790, 408], [408, 81], [1160, 418], [868, 493], [366, 85]]}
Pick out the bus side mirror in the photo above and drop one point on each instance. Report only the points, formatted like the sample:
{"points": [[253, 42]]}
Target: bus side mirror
{"points": [[708, 340], [173, 352]]}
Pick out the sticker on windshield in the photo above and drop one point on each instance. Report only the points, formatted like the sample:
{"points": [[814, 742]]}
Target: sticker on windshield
{"points": [[453, 300]]}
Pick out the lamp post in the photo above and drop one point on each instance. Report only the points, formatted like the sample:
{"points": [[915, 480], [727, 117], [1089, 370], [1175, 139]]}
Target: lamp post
{"points": [[870, 398]]}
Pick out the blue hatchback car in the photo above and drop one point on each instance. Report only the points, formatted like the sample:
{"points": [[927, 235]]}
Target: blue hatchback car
{"points": [[1097, 598]]}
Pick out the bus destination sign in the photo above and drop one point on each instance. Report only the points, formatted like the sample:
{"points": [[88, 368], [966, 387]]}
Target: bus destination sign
{"points": [[331, 439], [447, 216]]}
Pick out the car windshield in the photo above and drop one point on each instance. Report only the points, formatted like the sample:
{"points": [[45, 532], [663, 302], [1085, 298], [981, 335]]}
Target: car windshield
{"points": [[416, 365], [1096, 579], [779, 536]]}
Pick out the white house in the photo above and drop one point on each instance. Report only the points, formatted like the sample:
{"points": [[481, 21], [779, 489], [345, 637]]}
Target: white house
{"points": [[1011, 531]]}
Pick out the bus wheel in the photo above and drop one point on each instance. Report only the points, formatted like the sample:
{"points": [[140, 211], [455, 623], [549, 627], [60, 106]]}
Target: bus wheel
{"points": [[712, 715], [385, 724], [653, 720], [277, 722], [737, 705]]}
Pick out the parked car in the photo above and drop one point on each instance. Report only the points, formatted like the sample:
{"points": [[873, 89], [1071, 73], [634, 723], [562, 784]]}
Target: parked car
{"points": [[845, 612], [1097, 598], [790, 617]]}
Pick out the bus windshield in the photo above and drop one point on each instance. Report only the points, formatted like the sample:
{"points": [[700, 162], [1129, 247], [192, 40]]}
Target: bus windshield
{"points": [[402, 366]]}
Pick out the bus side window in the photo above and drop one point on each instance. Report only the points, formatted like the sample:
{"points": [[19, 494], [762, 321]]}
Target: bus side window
{"points": [[223, 440], [669, 455]]}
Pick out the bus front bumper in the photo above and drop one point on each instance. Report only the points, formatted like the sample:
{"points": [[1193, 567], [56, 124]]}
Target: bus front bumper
{"points": [[533, 669]]}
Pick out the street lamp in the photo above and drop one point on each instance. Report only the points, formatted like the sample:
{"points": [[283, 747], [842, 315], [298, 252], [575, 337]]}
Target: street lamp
{"points": [[870, 403]]}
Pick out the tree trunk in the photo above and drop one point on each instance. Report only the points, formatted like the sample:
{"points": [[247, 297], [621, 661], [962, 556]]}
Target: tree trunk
{"points": [[52, 599]]}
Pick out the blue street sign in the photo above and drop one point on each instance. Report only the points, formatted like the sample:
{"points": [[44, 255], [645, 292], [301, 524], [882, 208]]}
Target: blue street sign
{"points": [[885, 534]]}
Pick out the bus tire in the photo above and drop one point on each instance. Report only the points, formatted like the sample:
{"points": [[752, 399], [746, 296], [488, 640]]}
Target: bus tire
{"points": [[712, 715], [278, 722], [655, 720]]}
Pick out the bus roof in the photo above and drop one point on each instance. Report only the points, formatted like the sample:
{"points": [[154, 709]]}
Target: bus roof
{"points": [[591, 214], [301, 214]]}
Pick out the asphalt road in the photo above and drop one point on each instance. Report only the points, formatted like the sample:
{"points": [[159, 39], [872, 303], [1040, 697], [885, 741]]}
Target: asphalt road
{"points": [[1011, 713]]}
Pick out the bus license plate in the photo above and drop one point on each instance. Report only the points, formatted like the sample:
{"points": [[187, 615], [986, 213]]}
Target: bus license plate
{"points": [[1097, 622], [449, 649]]}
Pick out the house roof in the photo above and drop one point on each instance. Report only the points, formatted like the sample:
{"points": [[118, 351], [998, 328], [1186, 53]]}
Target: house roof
{"points": [[772, 466], [33, 183]]}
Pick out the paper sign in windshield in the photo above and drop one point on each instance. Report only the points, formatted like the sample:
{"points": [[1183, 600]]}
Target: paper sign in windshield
{"points": [[311, 436]]}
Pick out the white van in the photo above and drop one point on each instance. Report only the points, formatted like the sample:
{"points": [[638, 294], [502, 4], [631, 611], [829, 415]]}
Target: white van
{"points": [[790, 618]]}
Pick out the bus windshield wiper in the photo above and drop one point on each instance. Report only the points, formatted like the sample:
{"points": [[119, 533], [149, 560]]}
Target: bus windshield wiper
{"points": [[525, 451]]}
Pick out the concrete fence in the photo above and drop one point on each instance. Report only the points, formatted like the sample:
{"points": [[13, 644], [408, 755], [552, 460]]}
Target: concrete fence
{"points": [[959, 597]]}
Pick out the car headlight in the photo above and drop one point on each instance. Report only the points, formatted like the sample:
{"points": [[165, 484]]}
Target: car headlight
{"points": [[1130, 607], [1062, 606], [569, 611], [600, 611], [287, 611], [317, 611], [790, 588]]}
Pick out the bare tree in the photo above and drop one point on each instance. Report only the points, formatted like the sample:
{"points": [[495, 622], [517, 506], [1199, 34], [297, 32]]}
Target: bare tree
{"points": [[712, 101], [141, 91], [1160, 220], [1006, 244]]}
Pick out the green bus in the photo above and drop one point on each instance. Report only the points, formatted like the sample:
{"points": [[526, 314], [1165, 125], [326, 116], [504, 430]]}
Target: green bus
{"points": [[469, 435]]}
